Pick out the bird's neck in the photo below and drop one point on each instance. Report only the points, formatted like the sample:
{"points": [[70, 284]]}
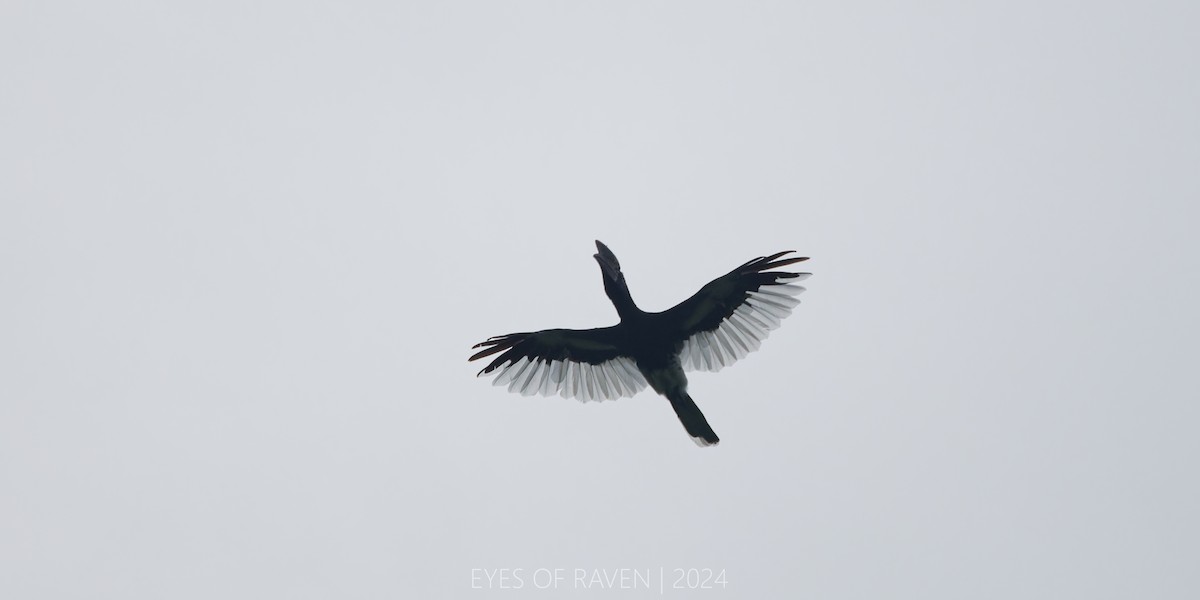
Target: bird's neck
{"points": [[618, 292]]}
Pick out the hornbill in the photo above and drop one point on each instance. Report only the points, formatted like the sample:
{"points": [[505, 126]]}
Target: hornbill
{"points": [[724, 321]]}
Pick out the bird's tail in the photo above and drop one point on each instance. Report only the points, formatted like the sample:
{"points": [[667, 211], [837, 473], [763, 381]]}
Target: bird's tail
{"points": [[693, 420]]}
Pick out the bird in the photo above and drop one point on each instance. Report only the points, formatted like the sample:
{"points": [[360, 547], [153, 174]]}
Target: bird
{"points": [[723, 322]]}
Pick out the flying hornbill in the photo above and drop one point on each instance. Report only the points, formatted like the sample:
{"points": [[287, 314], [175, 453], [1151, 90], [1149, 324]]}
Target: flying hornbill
{"points": [[724, 321]]}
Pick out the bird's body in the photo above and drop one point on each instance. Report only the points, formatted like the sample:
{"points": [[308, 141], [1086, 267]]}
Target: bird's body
{"points": [[721, 323]]}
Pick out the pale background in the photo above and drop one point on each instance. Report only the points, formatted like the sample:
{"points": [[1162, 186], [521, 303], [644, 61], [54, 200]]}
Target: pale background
{"points": [[245, 249]]}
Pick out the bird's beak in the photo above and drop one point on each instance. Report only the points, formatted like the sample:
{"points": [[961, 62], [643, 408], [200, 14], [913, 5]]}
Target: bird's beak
{"points": [[608, 261]]}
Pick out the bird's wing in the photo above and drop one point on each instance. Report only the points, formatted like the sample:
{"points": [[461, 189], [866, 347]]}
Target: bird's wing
{"points": [[728, 318], [573, 363]]}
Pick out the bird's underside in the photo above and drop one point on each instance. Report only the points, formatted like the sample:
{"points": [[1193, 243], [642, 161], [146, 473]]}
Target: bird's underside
{"points": [[720, 324]]}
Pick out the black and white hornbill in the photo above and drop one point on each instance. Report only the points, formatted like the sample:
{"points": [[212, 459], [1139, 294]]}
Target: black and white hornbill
{"points": [[724, 321]]}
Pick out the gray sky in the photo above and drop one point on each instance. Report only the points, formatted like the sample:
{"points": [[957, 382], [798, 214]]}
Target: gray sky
{"points": [[245, 250]]}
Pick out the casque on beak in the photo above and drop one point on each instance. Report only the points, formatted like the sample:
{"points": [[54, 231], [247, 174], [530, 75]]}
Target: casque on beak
{"points": [[608, 261]]}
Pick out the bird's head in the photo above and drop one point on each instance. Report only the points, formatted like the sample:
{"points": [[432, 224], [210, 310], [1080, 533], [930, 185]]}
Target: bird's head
{"points": [[608, 262]]}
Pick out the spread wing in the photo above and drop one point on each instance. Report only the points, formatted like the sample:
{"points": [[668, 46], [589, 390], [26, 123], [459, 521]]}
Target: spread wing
{"points": [[731, 316], [573, 363]]}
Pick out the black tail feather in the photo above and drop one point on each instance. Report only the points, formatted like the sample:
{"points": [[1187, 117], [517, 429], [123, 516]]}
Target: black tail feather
{"points": [[693, 420]]}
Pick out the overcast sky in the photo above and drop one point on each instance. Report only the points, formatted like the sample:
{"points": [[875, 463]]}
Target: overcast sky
{"points": [[245, 249]]}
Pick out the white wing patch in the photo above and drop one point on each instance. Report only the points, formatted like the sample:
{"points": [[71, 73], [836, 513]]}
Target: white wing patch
{"points": [[743, 331], [609, 380]]}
